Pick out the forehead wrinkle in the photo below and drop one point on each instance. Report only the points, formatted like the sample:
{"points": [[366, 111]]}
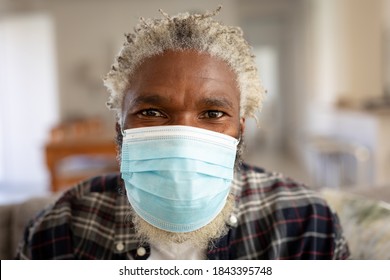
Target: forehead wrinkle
{"points": [[217, 102], [232, 83], [149, 99]]}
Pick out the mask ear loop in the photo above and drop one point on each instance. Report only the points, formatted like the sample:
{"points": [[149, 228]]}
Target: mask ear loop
{"points": [[239, 139], [121, 125]]}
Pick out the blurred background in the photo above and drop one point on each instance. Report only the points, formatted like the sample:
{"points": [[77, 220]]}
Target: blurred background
{"points": [[325, 63]]}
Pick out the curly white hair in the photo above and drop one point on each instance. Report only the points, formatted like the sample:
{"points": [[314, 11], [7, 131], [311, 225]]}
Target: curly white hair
{"points": [[182, 32]]}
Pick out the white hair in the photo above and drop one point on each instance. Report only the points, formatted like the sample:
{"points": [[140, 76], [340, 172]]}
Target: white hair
{"points": [[186, 32]]}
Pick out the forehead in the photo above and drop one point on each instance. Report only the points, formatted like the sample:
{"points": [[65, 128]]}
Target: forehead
{"points": [[184, 66]]}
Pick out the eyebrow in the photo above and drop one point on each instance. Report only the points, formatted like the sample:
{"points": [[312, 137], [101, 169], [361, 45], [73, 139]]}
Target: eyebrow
{"points": [[156, 99], [153, 99], [217, 102]]}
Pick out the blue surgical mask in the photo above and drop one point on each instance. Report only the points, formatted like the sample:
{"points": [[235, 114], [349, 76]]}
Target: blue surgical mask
{"points": [[177, 178]]}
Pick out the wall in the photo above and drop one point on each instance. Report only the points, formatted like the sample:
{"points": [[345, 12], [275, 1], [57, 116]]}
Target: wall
{"points": [[386, 45], [346, 37]]}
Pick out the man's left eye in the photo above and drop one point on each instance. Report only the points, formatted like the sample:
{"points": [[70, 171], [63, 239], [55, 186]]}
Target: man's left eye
{"points": [[213, 114]]}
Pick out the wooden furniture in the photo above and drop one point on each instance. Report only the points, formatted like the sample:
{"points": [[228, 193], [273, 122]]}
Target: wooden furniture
{"points": [[79, 150]]}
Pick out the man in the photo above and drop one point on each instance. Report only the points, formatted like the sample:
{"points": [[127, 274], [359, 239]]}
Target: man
{"points": [[182, 87]]}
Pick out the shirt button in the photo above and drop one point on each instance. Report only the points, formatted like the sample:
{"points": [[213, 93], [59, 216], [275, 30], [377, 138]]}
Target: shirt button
{"points": [[233, 220], [141, 251], [120, 246]]}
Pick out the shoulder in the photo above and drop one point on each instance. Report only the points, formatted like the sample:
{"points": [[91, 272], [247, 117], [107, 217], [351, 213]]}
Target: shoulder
{"points": [[98, 187], [287, 214], [86, 197], [53, 233], [255, 184]]}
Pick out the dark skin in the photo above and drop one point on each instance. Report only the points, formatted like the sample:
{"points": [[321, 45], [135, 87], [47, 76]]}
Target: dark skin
{"points": [[184, 88]]}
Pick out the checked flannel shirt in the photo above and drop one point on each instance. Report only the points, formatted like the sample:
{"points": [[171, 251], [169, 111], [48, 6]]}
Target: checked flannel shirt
{"points": [[277, 218]]}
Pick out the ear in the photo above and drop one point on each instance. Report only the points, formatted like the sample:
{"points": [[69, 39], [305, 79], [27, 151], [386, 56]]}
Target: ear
{"points": [[242, 126]]}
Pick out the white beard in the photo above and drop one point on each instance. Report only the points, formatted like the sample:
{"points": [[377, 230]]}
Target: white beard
{"points": [[199, 238]]}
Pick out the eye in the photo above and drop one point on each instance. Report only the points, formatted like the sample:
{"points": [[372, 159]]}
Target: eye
{"points": [[152, 113], [213, 114]]}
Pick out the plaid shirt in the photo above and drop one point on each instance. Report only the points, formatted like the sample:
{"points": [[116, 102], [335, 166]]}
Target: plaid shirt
{"points": [[276, 219]]}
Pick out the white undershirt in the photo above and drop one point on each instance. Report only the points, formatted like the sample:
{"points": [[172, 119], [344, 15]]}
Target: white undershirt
{"points": [[174, 251]]}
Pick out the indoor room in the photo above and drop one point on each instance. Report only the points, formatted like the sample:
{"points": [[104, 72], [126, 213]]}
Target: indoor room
{"points": [[325, 120]]}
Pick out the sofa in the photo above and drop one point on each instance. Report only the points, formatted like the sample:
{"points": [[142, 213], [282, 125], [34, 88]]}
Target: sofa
{"points": [[13, 219], [364, 214], [365, 217]]}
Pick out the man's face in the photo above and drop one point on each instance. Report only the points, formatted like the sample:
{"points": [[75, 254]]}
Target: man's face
{"points": [[184, 88]]}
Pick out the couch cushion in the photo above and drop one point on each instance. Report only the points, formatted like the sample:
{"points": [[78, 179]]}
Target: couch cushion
{"points": [[5, 231], [366, 223], [22, 213]]}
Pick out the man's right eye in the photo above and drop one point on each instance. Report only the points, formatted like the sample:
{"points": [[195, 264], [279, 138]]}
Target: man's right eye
{"points": [[152, 113]]}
